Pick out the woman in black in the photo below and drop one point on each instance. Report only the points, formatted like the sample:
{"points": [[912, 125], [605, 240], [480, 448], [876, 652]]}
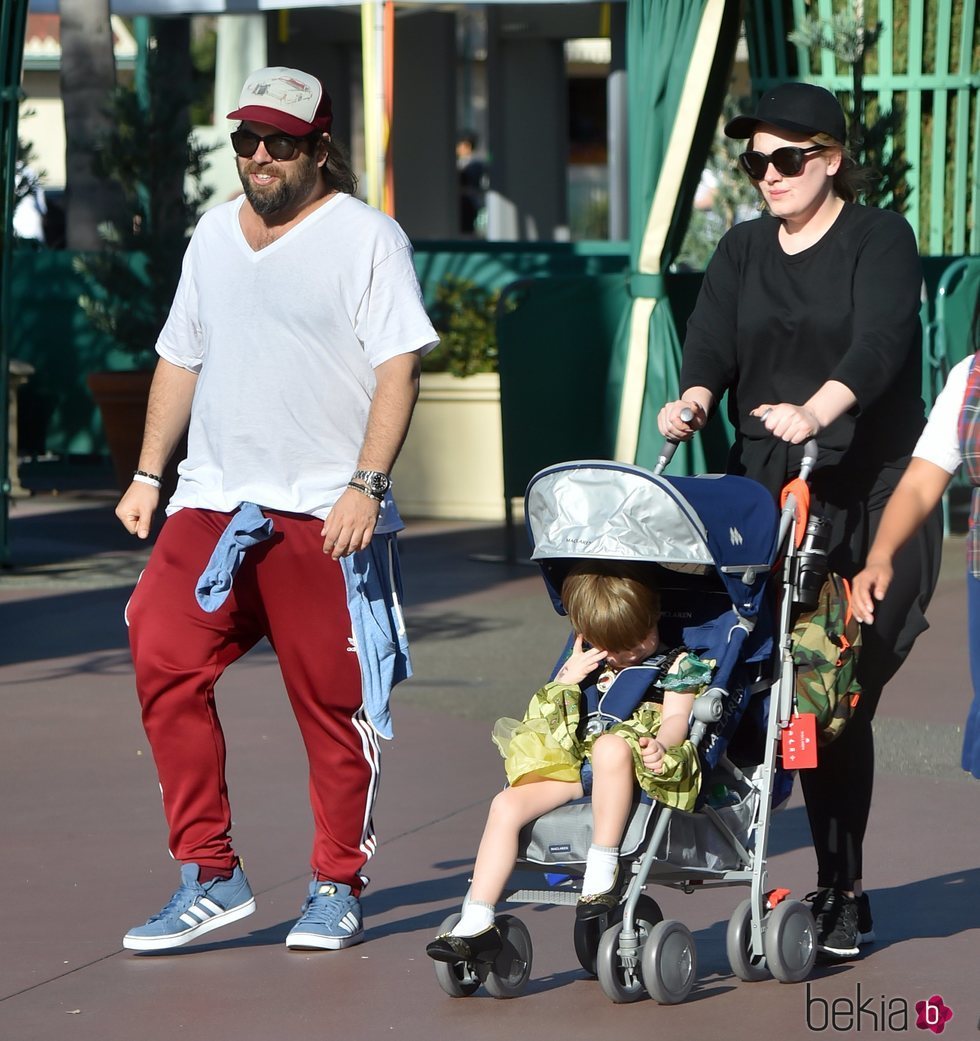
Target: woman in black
{"points": [[809, 318]]}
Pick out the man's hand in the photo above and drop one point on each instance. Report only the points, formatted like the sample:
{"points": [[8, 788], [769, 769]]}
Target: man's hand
{"points": [[350, 524], [136, 508]]}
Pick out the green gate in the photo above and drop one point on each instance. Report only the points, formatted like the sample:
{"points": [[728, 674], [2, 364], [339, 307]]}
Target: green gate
{"points": [[927, 63], [13, 17]]}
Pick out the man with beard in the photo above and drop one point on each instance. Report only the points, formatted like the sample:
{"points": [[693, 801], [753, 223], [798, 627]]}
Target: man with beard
{"points": [[291, 357]]}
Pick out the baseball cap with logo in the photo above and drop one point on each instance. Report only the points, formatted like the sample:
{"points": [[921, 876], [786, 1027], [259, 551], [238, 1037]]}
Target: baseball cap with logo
{"points": [[801, 108], [291, 101]]}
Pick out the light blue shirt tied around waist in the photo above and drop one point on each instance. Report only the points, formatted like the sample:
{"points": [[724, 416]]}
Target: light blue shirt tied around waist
{"points": [[374, 589], [373, 581], [248, 527]]}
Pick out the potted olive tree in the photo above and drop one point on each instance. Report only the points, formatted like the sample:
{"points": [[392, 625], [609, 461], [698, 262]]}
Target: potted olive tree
{"points": [[130, 282], [451, 465]]}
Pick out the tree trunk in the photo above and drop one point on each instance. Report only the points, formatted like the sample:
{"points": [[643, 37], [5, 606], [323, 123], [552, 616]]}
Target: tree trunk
{"points": [[88, 75]]}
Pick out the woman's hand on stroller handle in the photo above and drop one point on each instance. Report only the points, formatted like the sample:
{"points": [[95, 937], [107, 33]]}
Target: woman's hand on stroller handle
{"points": [[792, 423], [680, 420]]}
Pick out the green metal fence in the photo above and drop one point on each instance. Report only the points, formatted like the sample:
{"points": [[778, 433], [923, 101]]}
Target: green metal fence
{"points": [[13, 17], [927, 64]]}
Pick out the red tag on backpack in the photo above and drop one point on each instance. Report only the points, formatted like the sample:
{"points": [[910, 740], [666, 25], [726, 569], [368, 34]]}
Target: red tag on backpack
{"points": [[799, 742]]}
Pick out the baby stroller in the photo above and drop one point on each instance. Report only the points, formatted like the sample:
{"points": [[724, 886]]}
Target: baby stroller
{"points": [[728, 567]]}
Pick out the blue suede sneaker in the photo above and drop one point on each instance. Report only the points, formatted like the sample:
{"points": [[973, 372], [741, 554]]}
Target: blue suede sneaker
{"points": [[194, 910], [331, 919]]}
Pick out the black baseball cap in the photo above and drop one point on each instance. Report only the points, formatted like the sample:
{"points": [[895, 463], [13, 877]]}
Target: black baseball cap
{"points": [[801, 108]]}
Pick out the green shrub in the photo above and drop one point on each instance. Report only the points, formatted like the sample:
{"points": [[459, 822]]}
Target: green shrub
{"points": [[465, 316]]}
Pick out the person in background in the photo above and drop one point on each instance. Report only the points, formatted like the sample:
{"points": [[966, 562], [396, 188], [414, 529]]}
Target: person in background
{"points": [[472, 182], [950, 440]]}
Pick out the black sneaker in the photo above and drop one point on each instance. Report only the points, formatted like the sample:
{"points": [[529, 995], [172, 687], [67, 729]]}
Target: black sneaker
{"points": [[866, 927], [836, 917]]}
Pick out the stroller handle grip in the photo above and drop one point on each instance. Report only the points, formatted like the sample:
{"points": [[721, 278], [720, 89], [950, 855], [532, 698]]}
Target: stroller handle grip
{"points": [[810, 452], [670, 445]]}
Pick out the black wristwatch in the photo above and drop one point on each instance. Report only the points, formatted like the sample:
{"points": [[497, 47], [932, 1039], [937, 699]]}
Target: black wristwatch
{"points": [[371, 482]]}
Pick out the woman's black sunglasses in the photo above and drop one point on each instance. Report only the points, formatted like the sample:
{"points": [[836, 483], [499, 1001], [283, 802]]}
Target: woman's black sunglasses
{"points": [[789, 161], [280, 147]]}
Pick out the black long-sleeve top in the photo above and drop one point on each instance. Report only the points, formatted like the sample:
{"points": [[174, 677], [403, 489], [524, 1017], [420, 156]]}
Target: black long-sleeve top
{"points": [[770, 327]]}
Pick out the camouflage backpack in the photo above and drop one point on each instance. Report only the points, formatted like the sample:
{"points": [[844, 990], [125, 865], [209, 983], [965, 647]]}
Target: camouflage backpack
{"points": [[826, 642]]}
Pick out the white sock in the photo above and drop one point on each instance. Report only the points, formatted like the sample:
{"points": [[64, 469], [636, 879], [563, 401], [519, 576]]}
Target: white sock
{"points": [[477, 918], [600, 869]]}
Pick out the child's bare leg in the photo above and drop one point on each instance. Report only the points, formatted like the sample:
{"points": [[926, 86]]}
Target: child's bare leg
{"points": [[613, 780], [510, 810], [612, 796]]}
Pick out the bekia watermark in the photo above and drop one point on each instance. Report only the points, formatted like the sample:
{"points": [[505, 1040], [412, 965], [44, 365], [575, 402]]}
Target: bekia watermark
{"points": [[875, 1013]]}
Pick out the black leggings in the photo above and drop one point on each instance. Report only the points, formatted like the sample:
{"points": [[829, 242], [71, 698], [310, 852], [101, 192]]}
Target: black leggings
{"points": [[838, 791]]}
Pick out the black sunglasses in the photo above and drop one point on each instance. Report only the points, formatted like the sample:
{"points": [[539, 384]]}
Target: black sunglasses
{"points": [[280, 147], [789, 161]]}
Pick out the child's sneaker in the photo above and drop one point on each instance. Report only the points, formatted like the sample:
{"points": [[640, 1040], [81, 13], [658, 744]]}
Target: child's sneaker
{"points": [[193, 910], [836, 917], [331, 919]]}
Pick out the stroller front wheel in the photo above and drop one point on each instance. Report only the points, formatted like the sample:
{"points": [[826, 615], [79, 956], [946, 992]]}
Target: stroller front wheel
{"points": [[618, 968], [791, 942], [738, 945], [507, 976], [589, 933], [670, 963], [459, 980]]}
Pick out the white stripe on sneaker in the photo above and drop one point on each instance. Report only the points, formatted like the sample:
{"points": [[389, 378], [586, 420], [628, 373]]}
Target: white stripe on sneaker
{"points": [[197, 927]]}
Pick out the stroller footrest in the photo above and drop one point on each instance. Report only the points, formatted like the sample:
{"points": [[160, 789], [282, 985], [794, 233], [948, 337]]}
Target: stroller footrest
{"points": [[544, 896]]}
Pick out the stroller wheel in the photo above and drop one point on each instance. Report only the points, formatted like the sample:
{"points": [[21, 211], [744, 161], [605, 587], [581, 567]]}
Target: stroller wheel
{"points": [[791, 942], [618, 968], [738, 945], [511, 969], [670, 963], [589, 933], [458, 981]]}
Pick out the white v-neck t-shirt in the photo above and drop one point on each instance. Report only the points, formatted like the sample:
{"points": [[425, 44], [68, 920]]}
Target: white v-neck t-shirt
{"points": [[285, 341]]}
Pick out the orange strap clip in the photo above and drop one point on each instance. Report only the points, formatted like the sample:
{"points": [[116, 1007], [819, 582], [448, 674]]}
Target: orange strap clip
{"points": [[776, 896], [801, 490]]}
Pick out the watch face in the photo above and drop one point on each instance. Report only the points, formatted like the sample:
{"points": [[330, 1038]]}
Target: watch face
{"points": [[377, 482]]}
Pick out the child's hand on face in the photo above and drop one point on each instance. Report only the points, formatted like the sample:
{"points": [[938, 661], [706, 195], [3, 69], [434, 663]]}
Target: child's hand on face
{"points": [[652, 754], [581, 663]]}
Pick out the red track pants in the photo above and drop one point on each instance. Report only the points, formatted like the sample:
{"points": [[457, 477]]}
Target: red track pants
{"points": [[288, 590]]}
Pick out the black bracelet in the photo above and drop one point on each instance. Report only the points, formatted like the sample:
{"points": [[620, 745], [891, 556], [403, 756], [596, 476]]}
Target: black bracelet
{"points": [[143, 473], [364, 490]]}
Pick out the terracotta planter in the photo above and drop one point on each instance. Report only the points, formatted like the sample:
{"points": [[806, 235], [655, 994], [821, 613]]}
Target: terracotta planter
{"points": [[451, 465], [121, 398]]}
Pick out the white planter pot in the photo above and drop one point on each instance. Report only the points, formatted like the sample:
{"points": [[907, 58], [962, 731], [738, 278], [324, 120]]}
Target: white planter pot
{"points": [[451, 465]]}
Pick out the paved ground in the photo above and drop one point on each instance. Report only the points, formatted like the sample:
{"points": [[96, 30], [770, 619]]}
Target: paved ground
{"points": [[83, 853]]}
